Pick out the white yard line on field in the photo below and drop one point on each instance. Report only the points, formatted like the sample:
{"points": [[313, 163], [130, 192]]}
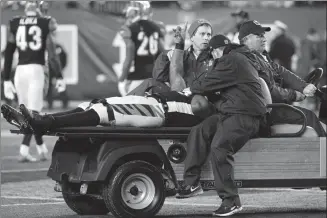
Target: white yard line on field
{"points": [[33, 198], [31, 204], [25, 170], [10, 157]]}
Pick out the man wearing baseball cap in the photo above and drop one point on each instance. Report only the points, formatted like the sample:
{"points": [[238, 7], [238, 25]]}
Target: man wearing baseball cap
{"points": [[221, 135], [217, 44], [252, 35], [252, 27]]}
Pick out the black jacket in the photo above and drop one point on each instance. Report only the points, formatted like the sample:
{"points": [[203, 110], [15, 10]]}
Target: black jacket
{"points": [[272, 72], [237, 80]]}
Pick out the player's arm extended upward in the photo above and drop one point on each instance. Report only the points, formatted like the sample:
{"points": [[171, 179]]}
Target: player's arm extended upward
{"points": [[53, 58], [176, 69], [130, 53], [9, 54]]}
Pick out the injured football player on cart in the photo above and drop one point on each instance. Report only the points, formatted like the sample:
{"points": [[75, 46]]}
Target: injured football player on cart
{"points": [[170, 109]]}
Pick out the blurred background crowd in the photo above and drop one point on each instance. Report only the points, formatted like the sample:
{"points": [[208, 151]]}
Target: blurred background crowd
{"points": [[92, 52]]}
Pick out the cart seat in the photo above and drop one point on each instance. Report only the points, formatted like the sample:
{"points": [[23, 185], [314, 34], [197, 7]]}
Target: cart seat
{"points": [[292, 128], [281, 129]]}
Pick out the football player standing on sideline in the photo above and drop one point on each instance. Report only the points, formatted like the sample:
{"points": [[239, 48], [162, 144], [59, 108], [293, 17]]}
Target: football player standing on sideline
{"points": [[32, 35], [144, 41]]}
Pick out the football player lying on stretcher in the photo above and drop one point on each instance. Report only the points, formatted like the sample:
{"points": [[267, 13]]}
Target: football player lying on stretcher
{"points": [[156, 110]]}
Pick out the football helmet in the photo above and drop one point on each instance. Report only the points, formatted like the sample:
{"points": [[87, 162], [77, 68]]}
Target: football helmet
{"points": [[136, 10], [33, 7], [147, 12], [44, 7]]}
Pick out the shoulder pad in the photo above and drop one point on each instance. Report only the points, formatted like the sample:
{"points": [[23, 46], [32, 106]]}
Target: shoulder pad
{"points": [[15, 18], [125, 32]]}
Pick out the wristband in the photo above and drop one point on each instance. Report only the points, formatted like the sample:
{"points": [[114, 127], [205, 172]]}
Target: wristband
{"points": [[180, 46]]}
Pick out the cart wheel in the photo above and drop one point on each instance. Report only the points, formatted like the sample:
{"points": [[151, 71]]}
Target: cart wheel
{"points": [[83, 204], [136, 189]]}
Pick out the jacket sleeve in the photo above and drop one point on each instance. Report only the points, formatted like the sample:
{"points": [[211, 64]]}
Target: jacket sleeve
{"points": [[222, 76], [281, 95], [290, 80], [160, 70]]}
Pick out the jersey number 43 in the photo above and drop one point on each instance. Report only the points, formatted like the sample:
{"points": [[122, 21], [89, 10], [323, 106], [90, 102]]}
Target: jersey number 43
{"points": [[22, 41], [149, 45]]}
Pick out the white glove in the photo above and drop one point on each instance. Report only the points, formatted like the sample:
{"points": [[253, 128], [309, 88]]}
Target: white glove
{"points": [[122, 88], [309, 90], [9, 90], [60, 85]]}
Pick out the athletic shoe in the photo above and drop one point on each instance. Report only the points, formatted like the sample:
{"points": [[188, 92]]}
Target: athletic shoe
{"points": [[16, 118], [26, 158], [226, 210], [188, 191], [40, 123]]}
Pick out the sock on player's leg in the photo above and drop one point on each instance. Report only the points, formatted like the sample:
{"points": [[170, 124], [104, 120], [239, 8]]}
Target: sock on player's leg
{"points": [[85, 118]]}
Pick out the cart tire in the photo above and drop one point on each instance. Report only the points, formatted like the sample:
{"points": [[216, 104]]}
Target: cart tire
{"points": [[136, 189], [83, 204]]}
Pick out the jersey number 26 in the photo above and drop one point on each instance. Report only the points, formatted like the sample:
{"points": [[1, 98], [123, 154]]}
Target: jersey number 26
{"points": [[21, 39], [149, 45]]}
